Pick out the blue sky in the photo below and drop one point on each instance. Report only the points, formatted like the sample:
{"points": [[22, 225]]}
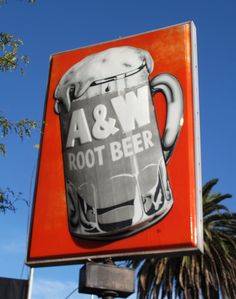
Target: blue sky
{"points": [[53, 26]]}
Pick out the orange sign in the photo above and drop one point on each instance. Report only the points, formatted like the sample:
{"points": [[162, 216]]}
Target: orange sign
{"points": [[119, 168]]}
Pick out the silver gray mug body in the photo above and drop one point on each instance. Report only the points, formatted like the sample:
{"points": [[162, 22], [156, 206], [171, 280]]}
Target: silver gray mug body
{"points": [[114, 157]]}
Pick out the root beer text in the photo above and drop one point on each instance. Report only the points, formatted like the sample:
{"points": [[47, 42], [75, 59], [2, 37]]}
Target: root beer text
{"points": [[131, 111]]}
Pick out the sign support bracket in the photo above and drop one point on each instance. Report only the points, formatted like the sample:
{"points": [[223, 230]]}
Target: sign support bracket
{"points": [[105, 280]]}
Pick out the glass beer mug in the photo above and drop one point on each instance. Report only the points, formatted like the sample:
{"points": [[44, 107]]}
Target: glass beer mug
{"points": [[114, 158]]}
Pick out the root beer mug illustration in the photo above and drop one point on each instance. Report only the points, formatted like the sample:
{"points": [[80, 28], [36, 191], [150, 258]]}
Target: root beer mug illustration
{"points": [[114, 158]]}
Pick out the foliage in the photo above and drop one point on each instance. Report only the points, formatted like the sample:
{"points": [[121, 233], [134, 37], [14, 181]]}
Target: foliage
{"points": [[208, 275], [21, 128], [5, 1], [11, 59], [8, 199]]}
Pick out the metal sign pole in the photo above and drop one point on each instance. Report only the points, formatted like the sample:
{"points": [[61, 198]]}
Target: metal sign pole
{"points": [[30, 286]]}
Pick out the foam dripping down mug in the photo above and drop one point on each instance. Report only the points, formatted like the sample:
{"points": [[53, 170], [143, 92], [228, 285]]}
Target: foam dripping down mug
{"points": [[114, 158]]}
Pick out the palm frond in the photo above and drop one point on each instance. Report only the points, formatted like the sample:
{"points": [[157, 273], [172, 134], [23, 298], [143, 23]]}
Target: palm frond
{"points": [[209, 275], [206, 189]]}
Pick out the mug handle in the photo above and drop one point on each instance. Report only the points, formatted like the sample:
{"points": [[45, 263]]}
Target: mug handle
{"points": [[171, 88]]}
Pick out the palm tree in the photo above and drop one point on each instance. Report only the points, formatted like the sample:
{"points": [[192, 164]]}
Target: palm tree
{"points": [[210, 275]]}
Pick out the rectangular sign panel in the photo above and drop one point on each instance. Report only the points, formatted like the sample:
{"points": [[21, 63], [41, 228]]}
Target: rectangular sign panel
{"points": [[119, 168]]}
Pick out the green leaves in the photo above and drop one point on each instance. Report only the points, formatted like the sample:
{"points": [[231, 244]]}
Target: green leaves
{"points": [[10, 58], [22, 128]]}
